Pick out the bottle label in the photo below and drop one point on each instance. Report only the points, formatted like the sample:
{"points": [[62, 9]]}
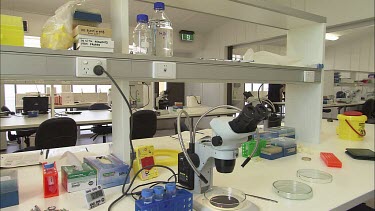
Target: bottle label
{"points": [[164, 42]]}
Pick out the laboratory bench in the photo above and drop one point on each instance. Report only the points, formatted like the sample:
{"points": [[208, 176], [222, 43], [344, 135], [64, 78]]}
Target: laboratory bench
{"points": [[97, 117], [351, 185]]}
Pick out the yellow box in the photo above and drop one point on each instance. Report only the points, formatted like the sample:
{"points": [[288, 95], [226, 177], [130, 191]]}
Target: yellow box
{"points": [[11, 30], [145, 157]]}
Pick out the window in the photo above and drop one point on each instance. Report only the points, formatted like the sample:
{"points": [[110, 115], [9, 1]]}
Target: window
{"points": [[253, 87], [162, 86], [10, 96], [28, 88], [84, 88], [57, 87], [103, 88]]}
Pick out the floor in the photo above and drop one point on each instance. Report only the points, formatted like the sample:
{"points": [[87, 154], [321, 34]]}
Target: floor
{"points": [[85, 139]]}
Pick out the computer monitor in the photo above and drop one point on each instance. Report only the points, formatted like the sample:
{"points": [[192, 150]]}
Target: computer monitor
{"points": [[35, 104]]}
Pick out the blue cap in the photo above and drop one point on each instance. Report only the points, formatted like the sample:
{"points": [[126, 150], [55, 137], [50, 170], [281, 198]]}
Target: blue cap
{"points": [[49, 165], [158, 189], [170, 186], [159, 6], [147, 192], [142, 18]]}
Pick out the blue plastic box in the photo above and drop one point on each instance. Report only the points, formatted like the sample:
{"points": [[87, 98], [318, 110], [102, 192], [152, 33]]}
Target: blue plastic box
{"points": [[183, 201], [111, 171], [288, 144], [8, 188], [284, 131], [271, 156], [266, 135]]}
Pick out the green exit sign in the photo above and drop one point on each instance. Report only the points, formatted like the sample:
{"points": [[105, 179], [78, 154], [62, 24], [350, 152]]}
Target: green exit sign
{"points": [[187, 35]]}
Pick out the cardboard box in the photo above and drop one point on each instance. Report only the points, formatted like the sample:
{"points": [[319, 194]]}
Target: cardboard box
{"points": [[111, 171], [67, 98], [75, 180], [92, 31]]}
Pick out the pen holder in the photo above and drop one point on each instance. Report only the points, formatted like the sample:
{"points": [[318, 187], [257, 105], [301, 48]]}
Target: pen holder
{"points": [[50, 180]]}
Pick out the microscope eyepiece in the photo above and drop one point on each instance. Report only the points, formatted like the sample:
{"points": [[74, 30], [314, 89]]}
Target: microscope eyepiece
{"points": [[249, 118]]}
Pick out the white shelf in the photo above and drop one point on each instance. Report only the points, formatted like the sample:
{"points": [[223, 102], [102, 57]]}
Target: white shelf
{"points": [[355, 84], [350, 71], [59, 66]]}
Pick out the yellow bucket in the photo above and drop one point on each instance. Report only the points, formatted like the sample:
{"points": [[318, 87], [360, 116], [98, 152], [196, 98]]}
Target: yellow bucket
{"points": [[351, 126]]}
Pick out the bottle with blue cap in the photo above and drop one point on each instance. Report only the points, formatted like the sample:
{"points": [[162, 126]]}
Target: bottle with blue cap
{"points": [[162, 32], [147, 194], [158, 193], [170, 189], [142, 40]]}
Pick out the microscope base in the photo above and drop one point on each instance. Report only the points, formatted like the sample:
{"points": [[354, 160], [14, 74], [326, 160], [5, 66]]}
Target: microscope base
{"points": [[202, 204]]}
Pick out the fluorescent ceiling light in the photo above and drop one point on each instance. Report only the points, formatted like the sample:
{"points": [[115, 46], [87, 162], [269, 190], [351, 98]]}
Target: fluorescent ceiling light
{"points": [[330, 36]]}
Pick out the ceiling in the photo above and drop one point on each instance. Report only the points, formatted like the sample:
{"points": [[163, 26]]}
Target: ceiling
{"points": [[181, 19]]}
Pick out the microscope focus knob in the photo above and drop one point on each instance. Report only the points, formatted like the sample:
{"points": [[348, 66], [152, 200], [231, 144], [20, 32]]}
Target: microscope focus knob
{"points": [[217, 141]]}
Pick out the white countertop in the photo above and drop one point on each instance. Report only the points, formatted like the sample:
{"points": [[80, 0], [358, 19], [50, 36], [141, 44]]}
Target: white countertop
{"points": [[351, 185], [96, 117]]}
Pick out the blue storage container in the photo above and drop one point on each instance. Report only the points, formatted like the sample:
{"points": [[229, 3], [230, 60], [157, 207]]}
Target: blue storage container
{"points": [[8, 189], [288, 144], [183, 201]]}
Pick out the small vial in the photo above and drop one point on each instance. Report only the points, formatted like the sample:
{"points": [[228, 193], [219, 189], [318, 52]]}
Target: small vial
{"points": [[170, 189], [147, 195], [158, 193]]}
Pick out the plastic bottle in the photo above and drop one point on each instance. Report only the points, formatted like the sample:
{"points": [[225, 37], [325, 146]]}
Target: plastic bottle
{"points": [[170, 189], [142, 40], [162, 32], [158, 193], [147, 195]]}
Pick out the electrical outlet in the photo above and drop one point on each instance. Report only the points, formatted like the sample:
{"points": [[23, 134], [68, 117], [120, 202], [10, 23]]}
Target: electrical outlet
{"points": [[85, 66], [164, 70], [309, 76]]}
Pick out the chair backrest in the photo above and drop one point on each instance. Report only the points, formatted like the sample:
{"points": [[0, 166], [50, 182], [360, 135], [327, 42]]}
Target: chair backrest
{"points": [[183, 126], [55, 133], [99, 106], [144, 124], [368, 108], [4, 108]]}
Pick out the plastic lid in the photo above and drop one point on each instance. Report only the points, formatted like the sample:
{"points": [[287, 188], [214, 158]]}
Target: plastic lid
{"points": [[159, 6], [291, 189], [314, 176], [147, 192], [158, 189], [49, 165], [170, 186], [352, 113], [142, 18]]}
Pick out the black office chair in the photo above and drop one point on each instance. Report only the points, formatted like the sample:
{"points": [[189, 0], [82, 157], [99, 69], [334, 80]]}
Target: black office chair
{"points": [[144, 124], [100, 130], [55, 133], [183, 126], [368, 109], [19, 133]]}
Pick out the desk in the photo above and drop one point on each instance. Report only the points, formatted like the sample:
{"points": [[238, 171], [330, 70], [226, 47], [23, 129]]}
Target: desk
{"points": [[351, 185], [339, 106], [96, 117], [76, 105]]}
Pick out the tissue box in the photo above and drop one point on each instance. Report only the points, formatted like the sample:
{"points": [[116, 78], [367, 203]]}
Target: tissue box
{"points": [[75, 180], [8, 188], [288, 144], [111, 171]]}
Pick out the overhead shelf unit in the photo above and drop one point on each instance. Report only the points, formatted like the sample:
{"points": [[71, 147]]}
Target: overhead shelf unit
{"points": [[58, 67], [354, 76], [305, 39]]}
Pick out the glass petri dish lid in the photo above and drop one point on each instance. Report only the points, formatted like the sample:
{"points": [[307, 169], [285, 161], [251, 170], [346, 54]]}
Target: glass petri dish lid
{"points": [[314, 176], [291, 189], [225, 197]]}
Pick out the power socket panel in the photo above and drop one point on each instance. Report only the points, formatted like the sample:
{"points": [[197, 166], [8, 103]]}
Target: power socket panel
{"points": [[309, 76], [164, 70], [85, 66]]}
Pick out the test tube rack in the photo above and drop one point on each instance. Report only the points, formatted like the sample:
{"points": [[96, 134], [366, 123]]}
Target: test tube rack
{"points": [[183, 201]]}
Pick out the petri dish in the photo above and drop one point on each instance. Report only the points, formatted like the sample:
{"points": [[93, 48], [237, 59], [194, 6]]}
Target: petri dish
{"points": [[225, 197], [291, 189], [314, 176]]}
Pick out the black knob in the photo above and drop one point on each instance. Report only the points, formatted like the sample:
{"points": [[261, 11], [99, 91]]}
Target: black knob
{"points": [[98, 70], [217, 141]]}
